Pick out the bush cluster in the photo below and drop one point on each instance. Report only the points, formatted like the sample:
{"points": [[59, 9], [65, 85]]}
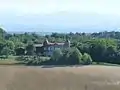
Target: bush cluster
{"points": [[67, 57]]}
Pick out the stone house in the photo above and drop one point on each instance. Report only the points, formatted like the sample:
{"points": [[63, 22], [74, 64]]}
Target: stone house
{"points": [[48, 48]]}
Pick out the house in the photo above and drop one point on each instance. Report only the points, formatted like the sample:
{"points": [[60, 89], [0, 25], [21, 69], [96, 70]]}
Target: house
{"points": [[48, 48]]}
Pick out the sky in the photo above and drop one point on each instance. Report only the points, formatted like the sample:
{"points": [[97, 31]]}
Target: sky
{"points": [[23, 8], [51, 6]]}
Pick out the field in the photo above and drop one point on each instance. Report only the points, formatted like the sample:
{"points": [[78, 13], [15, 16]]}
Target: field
{"points": [[59, 78], [9, 61]]}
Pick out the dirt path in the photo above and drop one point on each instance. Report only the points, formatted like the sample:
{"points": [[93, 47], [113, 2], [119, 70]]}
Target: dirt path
{"points": [[59, 78]]}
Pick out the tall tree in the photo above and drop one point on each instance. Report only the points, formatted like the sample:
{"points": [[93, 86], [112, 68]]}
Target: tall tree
{"points": [[2, 32], [6, 51], [30, 49], [75, 57], [57, 54]]}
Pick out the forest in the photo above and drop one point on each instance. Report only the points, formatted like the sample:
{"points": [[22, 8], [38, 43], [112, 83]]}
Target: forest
{"points": [[85, 47]]}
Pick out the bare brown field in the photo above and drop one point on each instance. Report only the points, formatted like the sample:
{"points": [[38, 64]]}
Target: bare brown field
{"points": [[59, 78]]}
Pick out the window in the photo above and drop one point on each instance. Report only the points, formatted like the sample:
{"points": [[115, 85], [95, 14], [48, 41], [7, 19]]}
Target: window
{"points": [[49, 48], [52, 48], [45, 48]]}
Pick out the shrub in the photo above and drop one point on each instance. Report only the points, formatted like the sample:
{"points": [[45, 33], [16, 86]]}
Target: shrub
{"points": [[75, 57], [86, 58], [32, 60], [57, 54]]}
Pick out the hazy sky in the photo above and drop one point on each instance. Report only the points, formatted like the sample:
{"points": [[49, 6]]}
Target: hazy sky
{"points": [[107, 14], [51, 6]]}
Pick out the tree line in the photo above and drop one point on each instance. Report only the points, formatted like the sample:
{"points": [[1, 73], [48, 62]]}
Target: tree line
{"points": [[96, 47]]}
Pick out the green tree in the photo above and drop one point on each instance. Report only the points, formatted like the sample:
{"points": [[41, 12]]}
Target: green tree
{"points": [[98, 49], [57, 54], [10, 45], [64, 59], [6, 51], [2, 32], [75, 57], [2, 44], [30, 49], [86, 58], [19, 45]]}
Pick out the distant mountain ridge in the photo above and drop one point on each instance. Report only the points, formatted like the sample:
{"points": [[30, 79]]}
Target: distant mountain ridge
{"points": [[39, 33], [61, 22]]}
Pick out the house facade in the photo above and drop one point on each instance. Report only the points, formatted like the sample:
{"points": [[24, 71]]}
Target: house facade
{"points": [[48, 48]]}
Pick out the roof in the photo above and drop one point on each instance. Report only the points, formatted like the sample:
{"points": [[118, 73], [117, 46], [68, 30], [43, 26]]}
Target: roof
{"points": [[38, 45], [56, 43], [50, 44]]}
